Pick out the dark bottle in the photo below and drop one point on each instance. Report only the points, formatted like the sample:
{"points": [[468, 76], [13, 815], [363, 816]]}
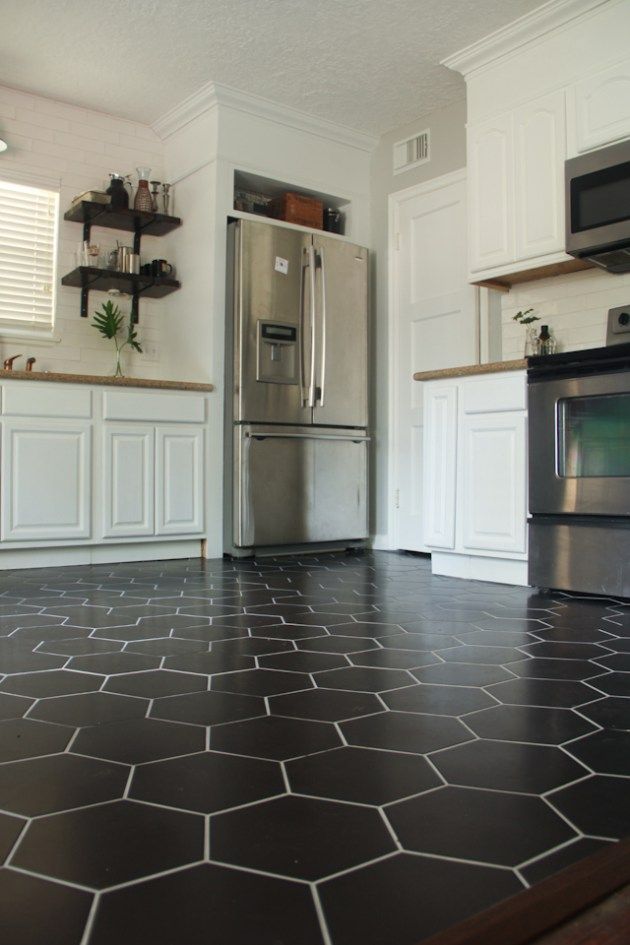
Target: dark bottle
{"points": [[546, 341], [118, 192]]}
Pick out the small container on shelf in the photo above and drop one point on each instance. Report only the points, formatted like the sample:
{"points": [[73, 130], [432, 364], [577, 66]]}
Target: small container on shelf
{"points": [[546, 341], [297, 208]]}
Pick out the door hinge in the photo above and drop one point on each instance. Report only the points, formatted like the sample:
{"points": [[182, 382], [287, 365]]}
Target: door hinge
{"points": [[397, 499]]}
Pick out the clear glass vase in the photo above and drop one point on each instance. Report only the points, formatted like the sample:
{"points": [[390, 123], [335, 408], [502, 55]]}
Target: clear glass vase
{"points": [[118, 367], [532, 344]]}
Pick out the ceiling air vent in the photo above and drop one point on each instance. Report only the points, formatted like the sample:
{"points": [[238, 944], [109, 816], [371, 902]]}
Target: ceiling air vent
{"points": [[411, 152]]}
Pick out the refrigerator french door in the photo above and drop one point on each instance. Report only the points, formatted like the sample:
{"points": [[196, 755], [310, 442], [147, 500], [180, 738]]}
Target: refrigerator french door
{"points": [[296, 419]]}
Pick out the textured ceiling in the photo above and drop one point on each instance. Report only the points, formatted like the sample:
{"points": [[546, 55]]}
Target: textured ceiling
{"points": [[367, 64]]}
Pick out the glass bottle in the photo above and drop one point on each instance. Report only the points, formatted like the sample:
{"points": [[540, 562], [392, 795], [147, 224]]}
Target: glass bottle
{"points": [[143, 200], [546, 341], [118, 192]]}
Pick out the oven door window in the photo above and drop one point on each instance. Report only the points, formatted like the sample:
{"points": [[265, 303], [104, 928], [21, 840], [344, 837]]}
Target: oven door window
{"points": [[594, 436]]}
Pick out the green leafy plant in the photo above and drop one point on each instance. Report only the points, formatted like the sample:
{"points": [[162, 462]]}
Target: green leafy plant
{"points": [[525, 318], [110, 321]]}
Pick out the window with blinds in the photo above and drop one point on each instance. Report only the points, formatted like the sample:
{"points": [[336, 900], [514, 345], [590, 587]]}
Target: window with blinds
{"points": [[28, 228]]}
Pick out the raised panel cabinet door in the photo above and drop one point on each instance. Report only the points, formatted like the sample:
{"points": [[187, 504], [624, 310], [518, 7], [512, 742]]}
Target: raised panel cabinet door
{"points": [[539, 155], [46, 480], [128, 481], [602, 107], [491, 194], [440, 466], [179, 480], [493, 486]]}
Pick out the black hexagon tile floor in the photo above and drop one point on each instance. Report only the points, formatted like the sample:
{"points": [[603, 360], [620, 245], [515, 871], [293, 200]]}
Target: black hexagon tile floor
{"points": [[323, 750]]}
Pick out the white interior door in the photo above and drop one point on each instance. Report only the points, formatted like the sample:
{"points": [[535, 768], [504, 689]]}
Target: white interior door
{"points": [[434, 325]]}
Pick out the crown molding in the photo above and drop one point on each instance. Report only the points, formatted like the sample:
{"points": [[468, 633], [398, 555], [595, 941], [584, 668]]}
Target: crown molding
{"points": [[550, 16], [214, 94]]}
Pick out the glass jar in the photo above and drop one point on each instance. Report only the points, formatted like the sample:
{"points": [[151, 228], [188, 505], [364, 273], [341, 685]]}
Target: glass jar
{"points": [[143, 199]]}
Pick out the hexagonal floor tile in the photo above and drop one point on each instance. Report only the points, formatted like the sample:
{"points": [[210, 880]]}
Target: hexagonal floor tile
{"points": [[402, 898], [58, 919], [89, 708], [275, 737], [299, 837], [111, 664], [393, 659], [208, 708], [528, 724], [159, 682], [615, 661], [10, 830], [334, 644], [438, 700], [606, 752], [364, 679], [167, 646], [48, 634], [207, 782], [425, 642], [325, 705], [85, 616], [565, 651], [136, 740], [554, 862], [175, 908], [53, 683], [261, 682], [301, 662], [403, 731], [79, 646], [59, 782], [245, 621], [505, 766], [488, 826], [13, 707], [491, 637], [289, 631], [462, 674], [23, 738], [361, 775], [609, 712], [597, 805], [210, 634], [111, 843], [499, 655], [553, 693], [18, 657], [540, 668], [251, 646], [209, 663], [613, 684]]}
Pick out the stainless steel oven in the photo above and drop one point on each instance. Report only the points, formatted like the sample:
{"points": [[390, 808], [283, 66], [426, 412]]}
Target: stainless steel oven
{"points": [[579, 475]]}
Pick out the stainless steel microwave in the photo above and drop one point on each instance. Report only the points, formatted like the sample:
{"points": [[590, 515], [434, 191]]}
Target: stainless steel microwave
{"points": [[597, 207]]}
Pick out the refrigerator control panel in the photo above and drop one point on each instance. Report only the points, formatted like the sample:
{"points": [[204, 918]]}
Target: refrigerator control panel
{"points": [[277, 361]]}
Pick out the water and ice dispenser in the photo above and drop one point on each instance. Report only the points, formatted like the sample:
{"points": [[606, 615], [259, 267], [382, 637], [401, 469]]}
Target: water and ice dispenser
{"points": [[277, 360]]}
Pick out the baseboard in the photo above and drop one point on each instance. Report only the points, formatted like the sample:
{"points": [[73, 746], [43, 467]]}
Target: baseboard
{"points": [[382, 542], [478, 568], [98, 554]]}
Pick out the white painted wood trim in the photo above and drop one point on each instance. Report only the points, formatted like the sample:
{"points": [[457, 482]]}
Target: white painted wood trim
{"points": [[214, 94], [477, 568], [393, 210], [544, 19], [98, 554]]}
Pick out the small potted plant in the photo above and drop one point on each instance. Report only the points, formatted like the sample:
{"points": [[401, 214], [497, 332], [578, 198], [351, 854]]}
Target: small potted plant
{"points": [[531, 340], [110, 321]]}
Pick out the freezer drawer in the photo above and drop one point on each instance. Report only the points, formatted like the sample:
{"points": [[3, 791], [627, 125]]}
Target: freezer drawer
{"points": [[294, 485]]}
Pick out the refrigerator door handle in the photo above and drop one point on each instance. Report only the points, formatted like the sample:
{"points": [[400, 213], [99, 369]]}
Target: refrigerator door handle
{"points": [[323, 362], [347, 438], [311, 389], [301, 367]]}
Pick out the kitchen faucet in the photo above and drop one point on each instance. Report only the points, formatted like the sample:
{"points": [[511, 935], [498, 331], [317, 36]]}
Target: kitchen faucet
{"points": [[8, 363]]}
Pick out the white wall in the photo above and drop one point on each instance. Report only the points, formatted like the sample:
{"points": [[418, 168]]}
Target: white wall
{"points": [[448, 153], [75, 148], [575, 306]]}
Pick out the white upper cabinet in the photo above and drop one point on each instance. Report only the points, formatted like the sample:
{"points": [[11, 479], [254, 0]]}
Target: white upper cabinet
{"points": [[539, 155], [602, 107], [491, 181]]}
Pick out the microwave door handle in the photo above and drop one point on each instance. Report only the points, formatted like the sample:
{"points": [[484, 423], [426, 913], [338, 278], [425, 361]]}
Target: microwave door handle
{"points": [[301, 329], [323, 361], [311, 389]]}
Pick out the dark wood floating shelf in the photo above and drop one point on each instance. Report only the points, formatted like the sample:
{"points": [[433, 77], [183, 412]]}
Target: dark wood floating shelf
{"points": [[131, 221], [87, 278]]}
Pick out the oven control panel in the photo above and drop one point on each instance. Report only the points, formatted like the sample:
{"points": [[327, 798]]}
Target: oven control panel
{"points": [[618, 325]]}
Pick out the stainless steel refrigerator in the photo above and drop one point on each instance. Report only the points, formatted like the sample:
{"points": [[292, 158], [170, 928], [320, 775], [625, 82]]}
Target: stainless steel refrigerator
{"points": [[296, 397]]}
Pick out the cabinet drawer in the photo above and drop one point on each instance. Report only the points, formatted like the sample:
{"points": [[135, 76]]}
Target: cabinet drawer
{"points": [[495, 394], [171, 408], [22, 399]]}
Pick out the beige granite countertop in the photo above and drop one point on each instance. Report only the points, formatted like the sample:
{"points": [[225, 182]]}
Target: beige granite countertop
{"points": [[103, 380], [494, 367]]}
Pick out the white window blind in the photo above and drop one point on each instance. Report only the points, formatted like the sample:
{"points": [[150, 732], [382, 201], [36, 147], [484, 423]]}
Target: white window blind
{"points": [[28, 228]]}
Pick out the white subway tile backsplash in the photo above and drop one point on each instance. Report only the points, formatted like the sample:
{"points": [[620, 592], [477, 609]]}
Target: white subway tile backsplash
{"points": [[575, 306], [79, 148]]}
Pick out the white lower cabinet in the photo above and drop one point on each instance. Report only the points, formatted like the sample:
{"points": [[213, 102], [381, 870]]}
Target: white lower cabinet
{"points": [[128, 481], [475, 477], [46, 474], [179, 480]]}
